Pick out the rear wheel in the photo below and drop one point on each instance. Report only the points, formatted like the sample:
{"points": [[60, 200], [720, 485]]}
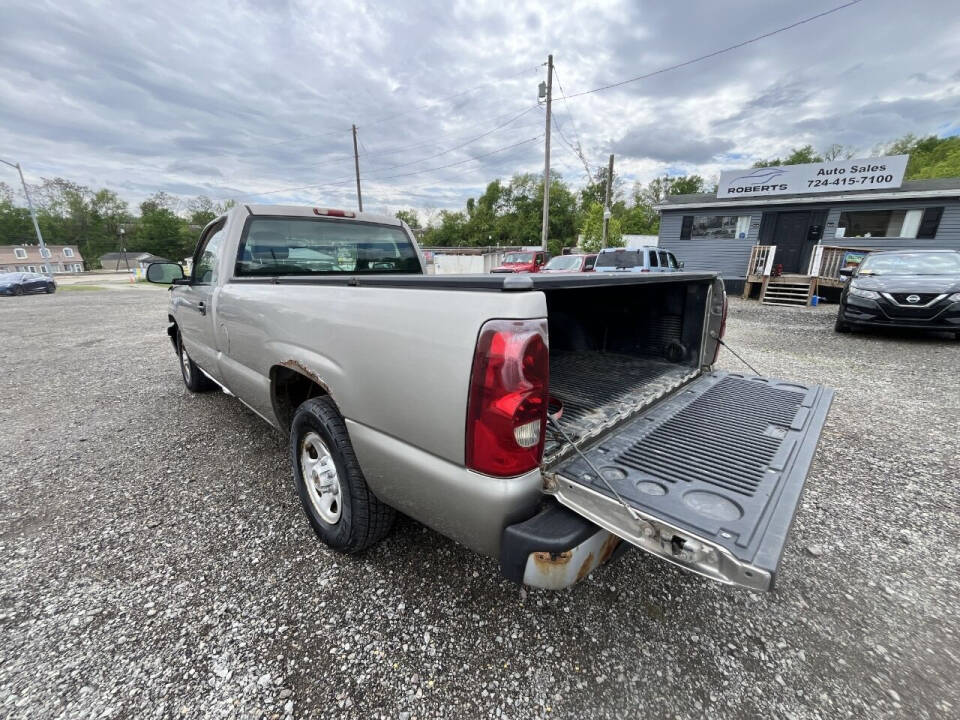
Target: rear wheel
{"points": [[340, 506], [18, 290], [193, 377]]}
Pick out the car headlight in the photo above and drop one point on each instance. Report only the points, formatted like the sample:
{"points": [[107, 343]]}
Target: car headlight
{"points": [[867, 294], [954, 298]]}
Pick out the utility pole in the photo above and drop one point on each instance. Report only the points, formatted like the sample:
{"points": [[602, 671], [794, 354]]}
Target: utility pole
{"points": [[545, 232], [33, 216], [606, 204], [356, 164]]}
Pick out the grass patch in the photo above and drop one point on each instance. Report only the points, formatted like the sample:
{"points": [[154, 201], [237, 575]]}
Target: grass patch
{"points": [[79, 288]]}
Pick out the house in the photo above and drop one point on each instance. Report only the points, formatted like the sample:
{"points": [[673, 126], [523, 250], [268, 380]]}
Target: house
{"points": [[129, 260], [27, 258], [807, 234]]}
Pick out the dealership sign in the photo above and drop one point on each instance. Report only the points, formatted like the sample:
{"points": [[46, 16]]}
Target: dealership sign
{"points": [[870, 174]]}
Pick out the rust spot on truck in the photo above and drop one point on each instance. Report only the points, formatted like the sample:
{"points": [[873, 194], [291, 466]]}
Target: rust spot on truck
{"points": [[585, 568], [547, 562], [304, 370], [609, 545]]}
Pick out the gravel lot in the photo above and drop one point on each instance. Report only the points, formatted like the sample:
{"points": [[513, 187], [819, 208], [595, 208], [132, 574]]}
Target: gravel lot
{"points": [[156, 562]]}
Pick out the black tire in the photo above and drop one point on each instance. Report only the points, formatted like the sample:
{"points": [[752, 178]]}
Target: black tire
{"points": [[363, 519], [192, 376], [840, 326], [51, 288], [18, 290]]}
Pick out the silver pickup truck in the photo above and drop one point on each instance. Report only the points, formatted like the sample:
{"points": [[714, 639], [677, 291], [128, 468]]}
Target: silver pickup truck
{"points": [[550, 421]]}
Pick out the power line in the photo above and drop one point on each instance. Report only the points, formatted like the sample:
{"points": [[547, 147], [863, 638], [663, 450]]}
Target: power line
{"points": [[400, 175], [730, 48], [393, 116], [448, 150], [578, 150]]}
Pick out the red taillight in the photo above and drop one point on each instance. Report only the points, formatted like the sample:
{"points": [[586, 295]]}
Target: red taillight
{"points": [[334, 213], [722, 330], [507, 406]]}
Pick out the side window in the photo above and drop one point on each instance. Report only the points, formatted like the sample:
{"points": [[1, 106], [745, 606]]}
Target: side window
{"points": [[653, 258], [205, 261], [588, 265], [664, 262], [672, 260]]}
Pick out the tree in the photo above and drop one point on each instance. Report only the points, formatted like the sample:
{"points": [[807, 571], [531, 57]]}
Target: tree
{"points": [[798, 156], [839, 152], [596, 190], [657, 189], [409, 217], [592, 229], [159, 231], [930, 157], [202, 210]]}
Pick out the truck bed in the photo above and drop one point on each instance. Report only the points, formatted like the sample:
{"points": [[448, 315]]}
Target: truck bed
{"points": [[595, 391]]}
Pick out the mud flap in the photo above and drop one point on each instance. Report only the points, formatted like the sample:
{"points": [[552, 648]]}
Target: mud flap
{"points": [[714, 472]]}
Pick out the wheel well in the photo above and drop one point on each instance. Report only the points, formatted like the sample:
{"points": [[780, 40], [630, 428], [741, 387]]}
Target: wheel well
{"points": [[289, 389], [172, 332]]}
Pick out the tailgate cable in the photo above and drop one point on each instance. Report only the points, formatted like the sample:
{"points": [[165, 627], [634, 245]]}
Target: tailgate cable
{"points": [[556, 426], [736, 355]]}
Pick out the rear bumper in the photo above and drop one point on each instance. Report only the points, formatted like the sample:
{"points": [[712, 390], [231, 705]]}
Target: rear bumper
{"points": [[555, 549]]}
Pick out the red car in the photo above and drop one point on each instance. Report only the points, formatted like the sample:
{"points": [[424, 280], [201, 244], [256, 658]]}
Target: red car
{"points": [[570, 264], [523, 262]]}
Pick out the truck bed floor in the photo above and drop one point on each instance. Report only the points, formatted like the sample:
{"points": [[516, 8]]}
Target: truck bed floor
{"points": [[600, 389]]}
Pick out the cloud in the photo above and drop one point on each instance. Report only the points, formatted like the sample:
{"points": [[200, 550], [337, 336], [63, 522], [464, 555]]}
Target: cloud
{"points": [[665, 145], [239, 99]]}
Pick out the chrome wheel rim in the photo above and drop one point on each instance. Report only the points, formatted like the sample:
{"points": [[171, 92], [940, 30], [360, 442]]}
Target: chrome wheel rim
{"points": [[319, 474], [185, 363]]}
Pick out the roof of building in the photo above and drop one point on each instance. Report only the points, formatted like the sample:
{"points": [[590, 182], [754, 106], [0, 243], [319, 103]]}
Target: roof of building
{"points": [[934, 187], [132, 256]]}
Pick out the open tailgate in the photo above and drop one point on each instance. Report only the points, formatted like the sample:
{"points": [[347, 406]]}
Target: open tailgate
{"points": [[714, 472]]}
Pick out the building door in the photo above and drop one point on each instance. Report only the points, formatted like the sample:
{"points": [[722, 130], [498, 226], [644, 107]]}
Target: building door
{"points": [[790, 237]]}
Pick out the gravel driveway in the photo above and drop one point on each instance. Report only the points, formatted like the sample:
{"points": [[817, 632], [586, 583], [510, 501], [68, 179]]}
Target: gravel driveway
{"points": [[156, 562]]}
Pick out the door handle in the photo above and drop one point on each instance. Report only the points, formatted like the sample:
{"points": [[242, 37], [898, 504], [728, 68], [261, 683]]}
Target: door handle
{"points": [[202, 307]]}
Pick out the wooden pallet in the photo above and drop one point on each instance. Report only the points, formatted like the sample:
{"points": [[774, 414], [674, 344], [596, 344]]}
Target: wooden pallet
{"points": [[789, 290]]}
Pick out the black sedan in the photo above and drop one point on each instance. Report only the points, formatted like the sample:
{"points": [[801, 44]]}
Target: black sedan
{"points": [[903, 289], [20, 283]]}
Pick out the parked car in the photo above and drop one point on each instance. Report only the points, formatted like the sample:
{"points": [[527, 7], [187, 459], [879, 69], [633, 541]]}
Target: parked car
{"points": [[440, 396], [20, 283], [642, 259], [904, 289], [570, 263], [523, 262]]}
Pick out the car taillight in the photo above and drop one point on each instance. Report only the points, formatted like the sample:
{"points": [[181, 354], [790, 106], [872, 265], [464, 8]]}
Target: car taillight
{"points": [[722, 330], [507, 406]]}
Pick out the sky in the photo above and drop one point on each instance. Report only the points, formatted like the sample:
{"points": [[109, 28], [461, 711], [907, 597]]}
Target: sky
{"points": [[254, 101]]}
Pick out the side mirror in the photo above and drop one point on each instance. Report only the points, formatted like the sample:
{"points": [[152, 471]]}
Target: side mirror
{"points": [[680, 264], [846, 272], [164, 273]]}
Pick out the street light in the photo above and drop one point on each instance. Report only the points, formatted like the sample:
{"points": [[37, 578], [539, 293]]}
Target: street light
{"points": [[33, 216]]}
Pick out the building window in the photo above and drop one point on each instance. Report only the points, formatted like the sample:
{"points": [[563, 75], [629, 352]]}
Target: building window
{"points": [[715, 227], [77, 267], [893, 223], [20, 253], [31, 268], [43, 269], [45, 252], [68, 252]]}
